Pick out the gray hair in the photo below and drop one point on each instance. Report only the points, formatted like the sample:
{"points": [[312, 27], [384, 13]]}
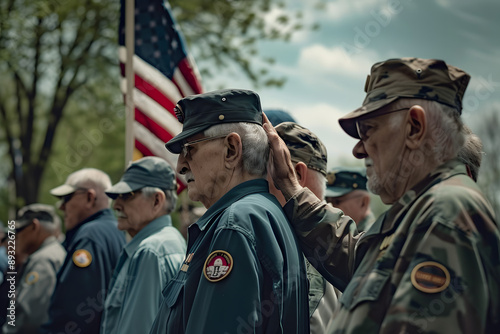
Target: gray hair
{"points": [[471, 152], [170, 197], [446, 137], [254, 142], [320, 181]]}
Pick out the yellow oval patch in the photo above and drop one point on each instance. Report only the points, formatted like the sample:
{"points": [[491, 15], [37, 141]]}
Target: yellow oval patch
{"points": [[218, 265], [430, 277], [82, 258], [32, 278]]}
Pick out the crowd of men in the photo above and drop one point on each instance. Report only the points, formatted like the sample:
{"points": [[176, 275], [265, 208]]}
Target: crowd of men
{"points": [[284, 245]]}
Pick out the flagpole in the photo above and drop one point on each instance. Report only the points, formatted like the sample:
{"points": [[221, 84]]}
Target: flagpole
{"points": [[129, 75]]}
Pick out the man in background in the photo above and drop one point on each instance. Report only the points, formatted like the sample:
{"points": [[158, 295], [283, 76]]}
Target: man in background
{"points": [[93, 244], [143, 201], [36, 228], [309, 157], [346, 190]]}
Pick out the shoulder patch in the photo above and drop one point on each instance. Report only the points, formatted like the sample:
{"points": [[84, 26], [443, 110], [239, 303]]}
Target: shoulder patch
{"points": [[82, 258], [430, 277], [32, 277], [218, 265]]}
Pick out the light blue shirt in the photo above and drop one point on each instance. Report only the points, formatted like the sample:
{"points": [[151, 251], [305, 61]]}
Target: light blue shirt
{"points": [[145, 266]]}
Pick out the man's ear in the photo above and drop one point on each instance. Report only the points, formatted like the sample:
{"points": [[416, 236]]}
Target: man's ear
{"points": [[234, 150], [301, 171], [91, 197], [417, 125]]}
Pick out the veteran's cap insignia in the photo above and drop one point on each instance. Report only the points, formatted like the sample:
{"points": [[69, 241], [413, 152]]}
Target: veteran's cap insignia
{"points": [[82, 258], [218, 265], [430, 277], [32, 278], [179, 113]]}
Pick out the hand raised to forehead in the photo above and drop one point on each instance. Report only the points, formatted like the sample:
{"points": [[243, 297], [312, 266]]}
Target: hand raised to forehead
{"points": [[280, 166]]}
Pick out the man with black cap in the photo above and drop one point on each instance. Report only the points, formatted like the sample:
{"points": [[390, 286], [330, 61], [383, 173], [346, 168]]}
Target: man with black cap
{"points": [[346, 190], [431, 263], [309, 157], [93, 244], [143, 200], [36, 228], [244, 271]]}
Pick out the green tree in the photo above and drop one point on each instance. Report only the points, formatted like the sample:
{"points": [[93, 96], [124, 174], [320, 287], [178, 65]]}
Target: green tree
{"points": [[60, 79]]}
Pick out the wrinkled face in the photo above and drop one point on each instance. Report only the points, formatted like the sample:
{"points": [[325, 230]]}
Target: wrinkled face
{"points": [[382, 145], [202, 164], [133, 211], [74, 207]]}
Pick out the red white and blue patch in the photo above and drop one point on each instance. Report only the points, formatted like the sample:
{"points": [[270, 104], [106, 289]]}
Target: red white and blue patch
{"points": [[217, 266]]}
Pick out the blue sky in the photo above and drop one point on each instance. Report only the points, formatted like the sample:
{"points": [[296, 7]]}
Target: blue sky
{"points": [[327, 69]]}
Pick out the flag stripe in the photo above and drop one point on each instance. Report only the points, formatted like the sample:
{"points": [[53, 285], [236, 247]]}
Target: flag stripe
{"points": [[154, 127]]}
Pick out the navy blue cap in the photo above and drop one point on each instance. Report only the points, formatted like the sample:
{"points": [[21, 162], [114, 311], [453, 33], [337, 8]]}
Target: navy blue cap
{"points": [[200, 112], [343, 180]]}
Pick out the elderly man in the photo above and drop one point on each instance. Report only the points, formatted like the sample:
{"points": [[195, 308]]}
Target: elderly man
{"points": [[432, 261], [310, 159], [36, 228], [143, 200], [93, 244], [346, 190], [244, 271]]}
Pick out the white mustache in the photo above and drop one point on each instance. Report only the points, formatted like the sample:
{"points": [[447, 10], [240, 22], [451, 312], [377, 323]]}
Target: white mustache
{"points": [[188, 176], [368, 162], [120, 214]]}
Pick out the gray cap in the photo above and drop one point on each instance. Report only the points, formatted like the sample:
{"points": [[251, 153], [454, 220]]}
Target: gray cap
{"points": [[46, 214], [145, 172]]}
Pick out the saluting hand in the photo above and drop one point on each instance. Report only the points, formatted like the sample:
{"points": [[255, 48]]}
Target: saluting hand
{"points": [[280, 166]]}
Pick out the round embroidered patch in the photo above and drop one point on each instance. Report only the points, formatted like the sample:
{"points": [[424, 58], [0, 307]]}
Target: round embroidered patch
{"points": [[32, 278], [430, 277], [218, 265], [82, 258]]}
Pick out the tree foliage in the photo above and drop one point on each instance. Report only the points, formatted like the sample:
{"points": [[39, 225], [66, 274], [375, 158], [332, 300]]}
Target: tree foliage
{"points": [[60, 104]]}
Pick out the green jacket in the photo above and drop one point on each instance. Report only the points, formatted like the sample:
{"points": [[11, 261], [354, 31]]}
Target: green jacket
{"points": [[244, 271], [430, 264]]}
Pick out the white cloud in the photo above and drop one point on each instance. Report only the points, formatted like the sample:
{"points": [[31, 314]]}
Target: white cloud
{"points": [[340, 9], [320, 59]]}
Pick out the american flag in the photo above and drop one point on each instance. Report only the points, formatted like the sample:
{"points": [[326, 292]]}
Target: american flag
{"points": [[164, 73]]}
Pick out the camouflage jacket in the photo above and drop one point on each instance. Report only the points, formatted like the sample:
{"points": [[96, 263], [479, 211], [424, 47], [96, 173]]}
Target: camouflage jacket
{"points": [[430, 264]]}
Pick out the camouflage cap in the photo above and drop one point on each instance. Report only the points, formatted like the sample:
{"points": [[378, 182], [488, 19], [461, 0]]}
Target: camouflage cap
{"points": [[304, 146], [343, 180], [46, 214], [428, 79], [145, 172], [200, 112]]}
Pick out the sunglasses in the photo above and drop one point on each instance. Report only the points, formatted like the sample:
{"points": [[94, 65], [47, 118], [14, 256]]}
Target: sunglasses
{"points": [[66, 198]]}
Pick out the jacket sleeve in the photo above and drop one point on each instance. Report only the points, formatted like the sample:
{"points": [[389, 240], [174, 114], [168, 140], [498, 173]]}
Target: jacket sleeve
{"points": [[327, 237], [218, 306], [452, 281], [78, 299]]}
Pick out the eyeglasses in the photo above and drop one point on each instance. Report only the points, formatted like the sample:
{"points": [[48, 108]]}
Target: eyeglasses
{"points": [[128, 196], [187, 146], [66, 198], [364, 128]]}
